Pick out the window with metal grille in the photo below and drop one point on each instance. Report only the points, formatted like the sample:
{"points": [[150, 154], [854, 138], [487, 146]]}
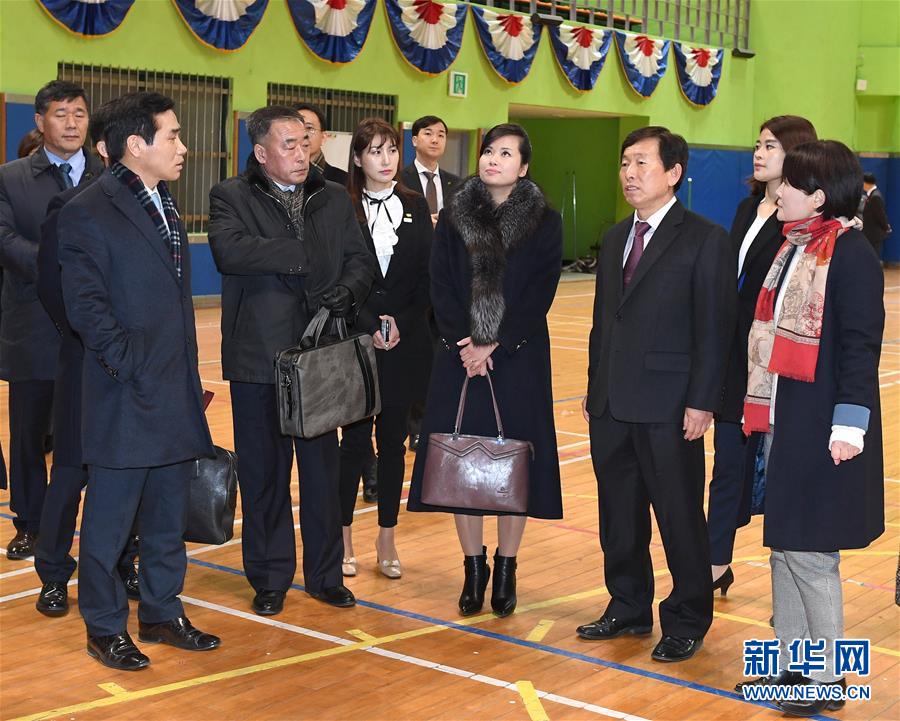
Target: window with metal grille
{"points": [[201, 103], [343, 108]]}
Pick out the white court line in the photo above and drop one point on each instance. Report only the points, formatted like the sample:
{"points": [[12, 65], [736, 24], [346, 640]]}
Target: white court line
{"points": [[581, 295], [563, 337], [573, 433], [574, 460], [559, 448], [567, 347], [413, 660], [30, 592]]}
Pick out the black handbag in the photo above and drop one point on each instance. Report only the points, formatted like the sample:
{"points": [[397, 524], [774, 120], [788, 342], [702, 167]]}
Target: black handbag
{"points": [[213, 498], [327, 381]]}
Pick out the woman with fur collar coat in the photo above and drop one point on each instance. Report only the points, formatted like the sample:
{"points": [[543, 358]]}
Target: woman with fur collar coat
{"points": [[495, 265]]}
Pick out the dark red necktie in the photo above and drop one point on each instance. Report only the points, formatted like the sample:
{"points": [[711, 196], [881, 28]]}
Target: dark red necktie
{"points": [[634, 255]]}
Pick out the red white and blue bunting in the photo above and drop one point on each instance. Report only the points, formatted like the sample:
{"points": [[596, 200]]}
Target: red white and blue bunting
{"points": [[222, 24], [644, 60], [334, 30], [699, 70], [581, 52], [510, 42], [90, 19], [428, 34]]}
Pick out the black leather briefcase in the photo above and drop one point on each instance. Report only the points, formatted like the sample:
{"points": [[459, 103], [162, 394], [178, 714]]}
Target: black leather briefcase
{"points": [[213, 498]]}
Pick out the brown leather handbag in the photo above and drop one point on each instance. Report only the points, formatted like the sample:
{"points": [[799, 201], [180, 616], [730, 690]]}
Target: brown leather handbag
{"points": [[477, 472]]}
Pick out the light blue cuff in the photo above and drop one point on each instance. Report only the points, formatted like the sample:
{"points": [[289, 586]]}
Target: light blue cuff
{"points": [[848, 414]]}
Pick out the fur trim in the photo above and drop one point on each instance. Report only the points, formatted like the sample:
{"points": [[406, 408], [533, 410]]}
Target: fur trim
{"points": [[489, 233]]}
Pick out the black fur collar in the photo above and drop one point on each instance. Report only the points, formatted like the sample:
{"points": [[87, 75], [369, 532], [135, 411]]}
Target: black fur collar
{"points": [[489, 232]]}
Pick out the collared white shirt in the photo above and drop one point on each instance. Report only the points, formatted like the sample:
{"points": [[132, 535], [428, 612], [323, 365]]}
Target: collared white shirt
{"points": [[157, 201], [77, 161], [654, 221], [423, 179], [285, 188], [757, 224]]}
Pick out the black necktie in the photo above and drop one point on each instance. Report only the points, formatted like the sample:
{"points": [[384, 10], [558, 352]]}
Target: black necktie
{"points": [[66, 169]]}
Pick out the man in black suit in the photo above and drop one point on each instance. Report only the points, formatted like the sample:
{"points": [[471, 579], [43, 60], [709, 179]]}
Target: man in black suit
{"points": [[429, 138], [29, 343], [875, 221], [68, 475], [127, 292], [286, 242], [317, 134], [663, 318]]}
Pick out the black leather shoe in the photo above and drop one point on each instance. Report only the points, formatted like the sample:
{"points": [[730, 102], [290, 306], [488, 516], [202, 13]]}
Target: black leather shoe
{"points": [[132, 589], [414, 443], [117, 651], [674, 648], [54, 599], [268, 603], [338, 596], [21, 546], [723, 582], [503, 594], [477, 574], [814, 708], [608, 627], [370, 480], [178, 633], [785, 678]]}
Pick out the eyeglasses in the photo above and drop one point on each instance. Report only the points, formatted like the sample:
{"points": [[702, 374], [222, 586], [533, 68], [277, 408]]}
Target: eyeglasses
{"points": [[312, 130]]}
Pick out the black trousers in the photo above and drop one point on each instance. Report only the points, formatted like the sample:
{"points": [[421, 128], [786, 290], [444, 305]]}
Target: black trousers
{"points": [[356, 444], [30, 406], [725, 491], [638, 465], [264, 473], [158, 498], [52, 559]]}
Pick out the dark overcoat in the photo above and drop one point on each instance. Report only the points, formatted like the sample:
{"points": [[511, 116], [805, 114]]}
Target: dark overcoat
{"points": [[812, 504], [526, 278], [142, 404], [29, 343], [404, 294]]}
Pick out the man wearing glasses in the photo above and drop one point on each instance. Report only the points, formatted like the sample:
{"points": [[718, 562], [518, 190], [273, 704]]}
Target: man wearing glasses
{"points": [[314, 121]]}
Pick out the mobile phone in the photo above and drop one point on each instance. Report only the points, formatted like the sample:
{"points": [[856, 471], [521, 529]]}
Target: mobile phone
{"points": [[386, 331]]}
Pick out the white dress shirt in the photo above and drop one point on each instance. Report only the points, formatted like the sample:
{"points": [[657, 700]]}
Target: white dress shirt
{"points": [[654, 221], [423, 179], [157, 201], [758, 222]]}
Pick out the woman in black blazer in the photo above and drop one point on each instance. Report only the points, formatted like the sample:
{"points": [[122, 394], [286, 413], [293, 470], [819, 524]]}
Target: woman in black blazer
{"points": [[398, 231], [756, 237]]}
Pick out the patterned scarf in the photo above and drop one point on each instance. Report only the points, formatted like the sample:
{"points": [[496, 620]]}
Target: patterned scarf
{"points": [[171, 234], [292, 201], [789, 347]]}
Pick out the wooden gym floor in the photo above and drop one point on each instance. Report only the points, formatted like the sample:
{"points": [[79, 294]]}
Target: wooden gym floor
{"points": [[404, 653]]}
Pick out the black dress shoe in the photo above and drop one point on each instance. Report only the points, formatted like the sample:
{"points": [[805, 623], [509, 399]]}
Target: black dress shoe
{"points": [[117, 651], [414, 443], [674, 648], [608, 627], [503, 595], [723, 582], [132, 589], [268, 603], [53, 599], [475, 583], [21, 546], [339, 596], [814, 708], [785, 678], [180, 633]]}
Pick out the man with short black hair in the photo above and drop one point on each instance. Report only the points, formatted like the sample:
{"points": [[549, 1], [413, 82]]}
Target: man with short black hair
{"points": [[317, 134], [874, 216], [663, 318], [127, 290], [29, 342], [429, 138], [286, 242]]}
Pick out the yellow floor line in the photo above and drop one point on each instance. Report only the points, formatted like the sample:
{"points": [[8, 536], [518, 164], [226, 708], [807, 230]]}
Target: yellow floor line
{"points": [[539, 631], [532, 703], [361, 635], [112, 688]]}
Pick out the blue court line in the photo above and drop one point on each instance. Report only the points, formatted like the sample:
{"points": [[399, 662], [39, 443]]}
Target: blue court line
{"points": [[432, 621]]}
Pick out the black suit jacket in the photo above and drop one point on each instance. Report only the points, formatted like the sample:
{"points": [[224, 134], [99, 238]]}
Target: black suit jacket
{"points": [[29, 343], [141, 395], [660, 345], [404, 294], [335, 175], [409, 176], [875, 220], [756, 266]]}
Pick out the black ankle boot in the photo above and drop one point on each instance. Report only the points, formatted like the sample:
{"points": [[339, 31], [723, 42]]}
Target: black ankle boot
{"points": [[477, 574], [503, 598]]}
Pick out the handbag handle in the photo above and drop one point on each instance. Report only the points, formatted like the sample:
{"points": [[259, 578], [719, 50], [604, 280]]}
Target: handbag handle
{"points": [[314, 330], [462, 405]]}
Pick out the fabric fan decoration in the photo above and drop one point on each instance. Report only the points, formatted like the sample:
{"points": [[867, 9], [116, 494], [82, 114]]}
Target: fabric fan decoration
{"points": [[334, 30], [581, 52], [428, 34], [91, 18], [222, 24], [644, 60], [699, 70], [509, 41]]}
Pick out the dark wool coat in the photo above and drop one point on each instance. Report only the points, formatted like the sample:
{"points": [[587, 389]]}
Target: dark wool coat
{"points": [[494, 273], [812, 504]]}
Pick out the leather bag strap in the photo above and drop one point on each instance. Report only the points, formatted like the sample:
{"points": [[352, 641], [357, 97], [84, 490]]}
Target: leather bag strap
{"points": [[317, 325], [462, 406]]}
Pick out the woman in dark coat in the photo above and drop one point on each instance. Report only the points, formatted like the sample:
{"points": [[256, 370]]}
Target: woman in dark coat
{"points": [[397, 227], [756, 238], [495, 266], [813, 403]]}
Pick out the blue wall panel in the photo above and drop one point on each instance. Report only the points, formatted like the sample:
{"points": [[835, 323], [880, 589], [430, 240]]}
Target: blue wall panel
{"points": [[244, 147], [205, 278], [717, 182], [19, 120]]}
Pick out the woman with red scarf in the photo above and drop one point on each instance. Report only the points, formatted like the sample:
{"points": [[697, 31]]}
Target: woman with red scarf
{"points": [[813, 407]]}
